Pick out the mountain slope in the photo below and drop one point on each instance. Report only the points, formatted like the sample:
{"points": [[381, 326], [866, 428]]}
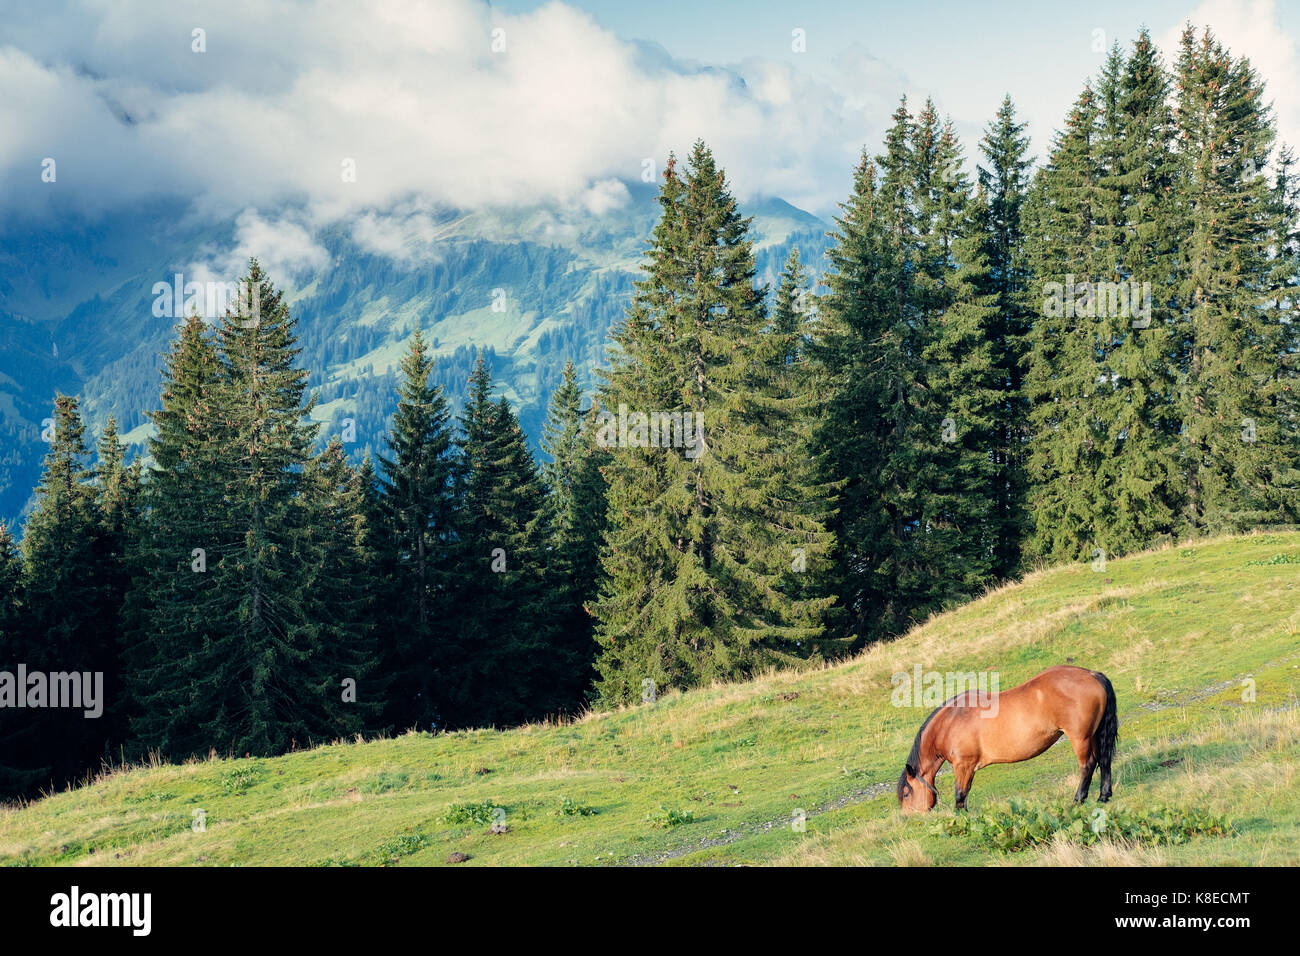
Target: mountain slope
{"points": [[1177, 631], [533, 287]]}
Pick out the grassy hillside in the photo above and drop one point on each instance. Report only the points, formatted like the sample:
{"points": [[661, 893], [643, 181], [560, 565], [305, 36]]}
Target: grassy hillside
{"points": [[715, 776]]}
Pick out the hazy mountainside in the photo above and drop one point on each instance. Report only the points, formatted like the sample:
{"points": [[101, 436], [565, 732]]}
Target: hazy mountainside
{"points": [[795, 767], [533, 287]]}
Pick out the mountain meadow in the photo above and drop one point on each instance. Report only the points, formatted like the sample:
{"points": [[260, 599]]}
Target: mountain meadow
{"points": [[1200, 642], [608, 535]]}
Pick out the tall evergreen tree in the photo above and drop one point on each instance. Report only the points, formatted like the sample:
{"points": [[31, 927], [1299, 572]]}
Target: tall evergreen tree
{"points": [[69, 628], [702, 529], [418, 516], [343, 683], [1241, 454], [504, 632], [182, 533], [22, 756], [1061, 381], [234, 658], [117, 500], [575, 518], [1004, 185]]}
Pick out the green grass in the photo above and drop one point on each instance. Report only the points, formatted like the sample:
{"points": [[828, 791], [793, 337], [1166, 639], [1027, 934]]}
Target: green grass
{"points": [[1202, 642]]}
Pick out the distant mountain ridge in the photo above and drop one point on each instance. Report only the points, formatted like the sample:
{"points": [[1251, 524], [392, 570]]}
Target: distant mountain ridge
{"points": [[533, 287]]}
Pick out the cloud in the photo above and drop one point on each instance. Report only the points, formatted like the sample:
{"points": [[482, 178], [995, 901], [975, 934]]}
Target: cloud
{"points": [[1253, 29], [447, 102], [284, 248]]}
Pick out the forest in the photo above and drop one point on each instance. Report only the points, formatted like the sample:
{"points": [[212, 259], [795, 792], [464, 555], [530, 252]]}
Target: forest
{"points": [[1036, 364]]}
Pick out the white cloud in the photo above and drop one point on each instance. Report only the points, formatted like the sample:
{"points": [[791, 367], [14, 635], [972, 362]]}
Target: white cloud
{"points": [[1252, 28], [284, 248], [412, 93]]}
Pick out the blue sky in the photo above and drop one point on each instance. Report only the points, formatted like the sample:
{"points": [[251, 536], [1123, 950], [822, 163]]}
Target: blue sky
{"points": [[964, 54]]}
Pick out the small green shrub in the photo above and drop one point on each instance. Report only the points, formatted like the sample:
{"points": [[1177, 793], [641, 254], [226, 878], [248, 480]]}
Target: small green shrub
{"points": [[1277, 559], [1019, 826], [666, 819], [238, 781], [404, 845], [466, 813], [570, 809]]}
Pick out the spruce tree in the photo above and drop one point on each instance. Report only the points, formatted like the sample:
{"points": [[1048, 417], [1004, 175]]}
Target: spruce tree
{"points": [[418, 521], [1137, 483], [117, 500], [702, 527], [1004, 185], [1241, 453], [22, 755], [504, 631], [69, 628], [575, 520], [1061, 380], [344, 686], [183, 534]]}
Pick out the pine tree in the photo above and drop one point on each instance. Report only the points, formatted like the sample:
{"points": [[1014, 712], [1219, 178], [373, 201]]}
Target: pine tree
{"points": [[504, 635], [575, 520], [418, 516], [174, 597], [11, 572], [913, 384], [959, 526], [1004, 185], [1241, 453], [702, 526], [855, 432], [1061, 381], [68, 627], [1137, 481], [341, 674], [233, 657], [117, 500]]}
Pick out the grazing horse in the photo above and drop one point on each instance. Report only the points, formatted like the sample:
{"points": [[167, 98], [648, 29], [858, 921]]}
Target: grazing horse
{"points": [[971, 732]]}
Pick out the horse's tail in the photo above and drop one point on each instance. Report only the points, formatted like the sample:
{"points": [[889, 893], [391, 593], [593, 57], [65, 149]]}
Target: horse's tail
{"points": [[1108, 731]]}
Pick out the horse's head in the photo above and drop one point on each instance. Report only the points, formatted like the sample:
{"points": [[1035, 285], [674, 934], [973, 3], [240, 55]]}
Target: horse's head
{"points": [[915, 793]]}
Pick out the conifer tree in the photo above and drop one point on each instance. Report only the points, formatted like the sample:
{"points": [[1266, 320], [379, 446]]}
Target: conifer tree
{"points": [[702, 527], [233, 658], [1241, 454], [575, 519], [22, 754], [1137, 480], [1061, 381], [184, 526], [1004, 185], [67, 625], [504, 633], [958, 524], [418, 519], [342, 681], [117, 500]]}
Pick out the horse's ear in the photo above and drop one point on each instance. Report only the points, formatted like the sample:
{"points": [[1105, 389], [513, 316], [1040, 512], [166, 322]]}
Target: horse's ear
{"points": [[909, 770]]}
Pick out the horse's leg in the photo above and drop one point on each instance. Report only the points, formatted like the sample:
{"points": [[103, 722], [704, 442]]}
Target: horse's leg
{"points": [[1083, 751], [1105, 789], [965, 773]]}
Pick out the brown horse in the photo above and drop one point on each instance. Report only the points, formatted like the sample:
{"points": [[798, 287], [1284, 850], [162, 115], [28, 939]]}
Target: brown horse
{"points": [[1018, 724]]}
